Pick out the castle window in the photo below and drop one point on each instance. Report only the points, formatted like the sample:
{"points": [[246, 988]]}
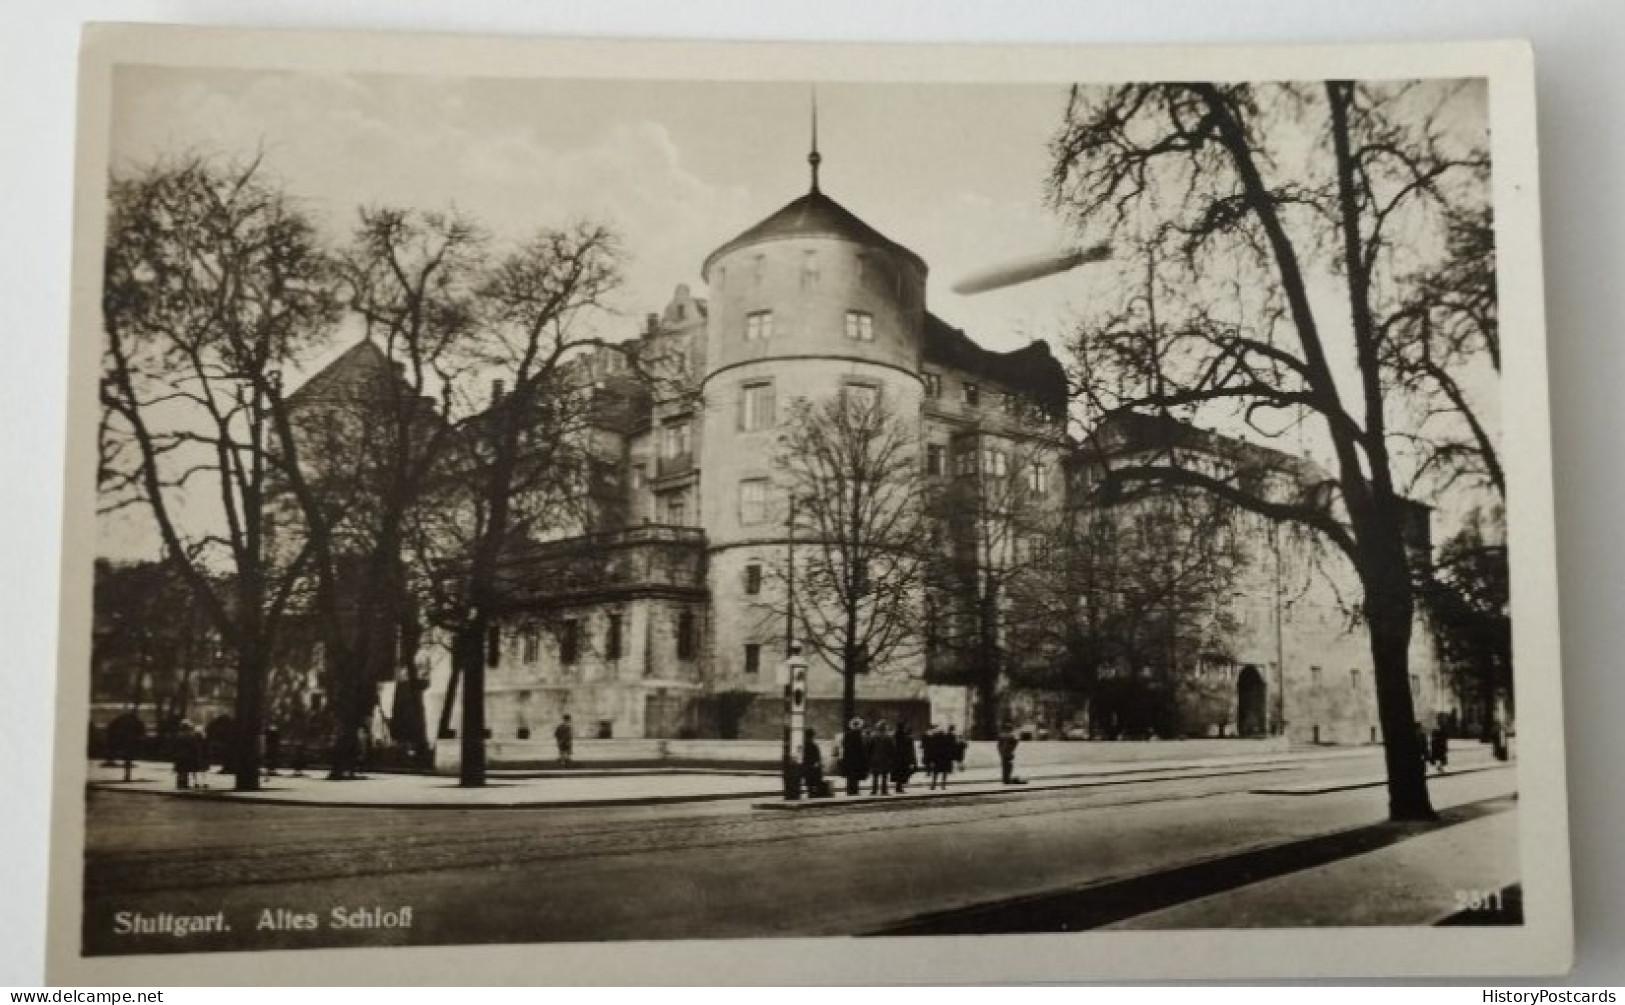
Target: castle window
{"points": [[972, 395], [966, 464], [753, 501], [678, 439], [532, 644], [860, 398], [756, 406], [612, 638], [570, 641], [933, 384], [995, 463], [753, 658], [639, 476], [1314, 676], [933, 458], [685, 635], [753, 579], [860, 326], [809, 270], [758, 326], [676, 511], [1038, 477]]}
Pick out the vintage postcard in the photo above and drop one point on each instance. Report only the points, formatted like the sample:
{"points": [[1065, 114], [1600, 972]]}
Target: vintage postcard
{"points": [[585, 511]]}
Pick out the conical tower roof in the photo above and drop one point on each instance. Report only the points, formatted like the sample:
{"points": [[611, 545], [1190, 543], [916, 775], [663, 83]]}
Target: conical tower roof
{"points": [[814, 215]]}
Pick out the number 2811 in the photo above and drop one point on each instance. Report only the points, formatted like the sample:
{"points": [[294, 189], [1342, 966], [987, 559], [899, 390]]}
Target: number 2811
{"points": [[1478, 900]]}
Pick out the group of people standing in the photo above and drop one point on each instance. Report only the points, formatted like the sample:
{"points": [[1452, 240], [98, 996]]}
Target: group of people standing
{"points": [[888, 757]]}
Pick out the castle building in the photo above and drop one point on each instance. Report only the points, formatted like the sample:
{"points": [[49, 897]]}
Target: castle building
{"points": [[668, 624], [1282, 653], [661, 614]]}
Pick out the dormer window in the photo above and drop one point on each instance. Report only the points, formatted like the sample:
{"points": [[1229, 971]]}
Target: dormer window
{"points": [[933, 384], [972, 395], [758, 326], [860, 326]]}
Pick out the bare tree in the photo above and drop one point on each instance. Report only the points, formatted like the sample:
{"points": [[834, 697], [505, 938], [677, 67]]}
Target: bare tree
{"points": [[362, 448], [1468, 599], [523, 466], [1275, 226], [993, 519], [849, 466], [1136, 585], [1435, 341], [213, 282]]}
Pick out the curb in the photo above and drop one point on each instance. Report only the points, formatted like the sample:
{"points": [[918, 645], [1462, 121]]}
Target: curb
{"points": [[1315, 789], [229, 796], [1032, 787]]}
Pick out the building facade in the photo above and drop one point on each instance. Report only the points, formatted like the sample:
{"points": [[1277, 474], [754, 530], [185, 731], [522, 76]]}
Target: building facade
{"points": [[662, 615]]}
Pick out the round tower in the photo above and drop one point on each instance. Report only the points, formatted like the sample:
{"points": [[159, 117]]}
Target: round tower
{"points": [[810, 303]]}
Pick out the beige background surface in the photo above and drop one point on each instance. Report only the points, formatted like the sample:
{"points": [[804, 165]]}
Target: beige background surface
{"points": [[31, 449]]}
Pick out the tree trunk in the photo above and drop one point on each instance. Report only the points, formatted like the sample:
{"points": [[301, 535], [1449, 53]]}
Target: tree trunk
{"points": [[348, 710], [468, 653], [1388, 609], [849, 693], [249, 713], [986, 722], [988, 670]]}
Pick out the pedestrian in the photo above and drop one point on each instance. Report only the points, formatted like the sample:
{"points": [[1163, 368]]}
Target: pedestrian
{"points": [[202, 759], [812, 767], [956, 748], [937, 751], [882, 760], [1007, 755], [363, 751], [854, 756], [185, 755], [906, 759], [1439, 747], [124, 735], [565, 737], [1424, 747]]}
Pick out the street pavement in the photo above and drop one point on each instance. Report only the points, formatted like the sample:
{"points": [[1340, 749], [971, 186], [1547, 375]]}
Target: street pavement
{"points": [[1018, 859]]}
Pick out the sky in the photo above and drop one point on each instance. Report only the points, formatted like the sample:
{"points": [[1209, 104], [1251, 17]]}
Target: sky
{"points": [[953, 172]]}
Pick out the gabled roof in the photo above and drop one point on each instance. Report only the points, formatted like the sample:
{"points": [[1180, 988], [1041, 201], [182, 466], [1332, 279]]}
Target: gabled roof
{"points": [[813, 215], [1031, 370], [363, 365]]}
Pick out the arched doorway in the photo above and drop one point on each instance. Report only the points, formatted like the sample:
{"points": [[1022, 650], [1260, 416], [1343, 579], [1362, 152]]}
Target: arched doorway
{"points": [[1251, 719]]}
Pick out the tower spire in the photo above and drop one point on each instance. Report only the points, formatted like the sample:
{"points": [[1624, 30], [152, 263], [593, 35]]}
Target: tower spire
{"points": [[813, 158]]}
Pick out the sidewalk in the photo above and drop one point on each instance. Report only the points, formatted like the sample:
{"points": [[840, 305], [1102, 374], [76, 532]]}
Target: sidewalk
{"points": [[1421, 880], [1462, 868], [653, 786]]}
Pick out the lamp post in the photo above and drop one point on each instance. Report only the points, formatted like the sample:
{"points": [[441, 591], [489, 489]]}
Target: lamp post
{"points": [[790, 750], [795, 721]]}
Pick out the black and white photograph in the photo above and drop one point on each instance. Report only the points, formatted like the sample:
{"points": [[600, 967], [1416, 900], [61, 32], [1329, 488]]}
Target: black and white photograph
{"points": [[549, 495]]}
